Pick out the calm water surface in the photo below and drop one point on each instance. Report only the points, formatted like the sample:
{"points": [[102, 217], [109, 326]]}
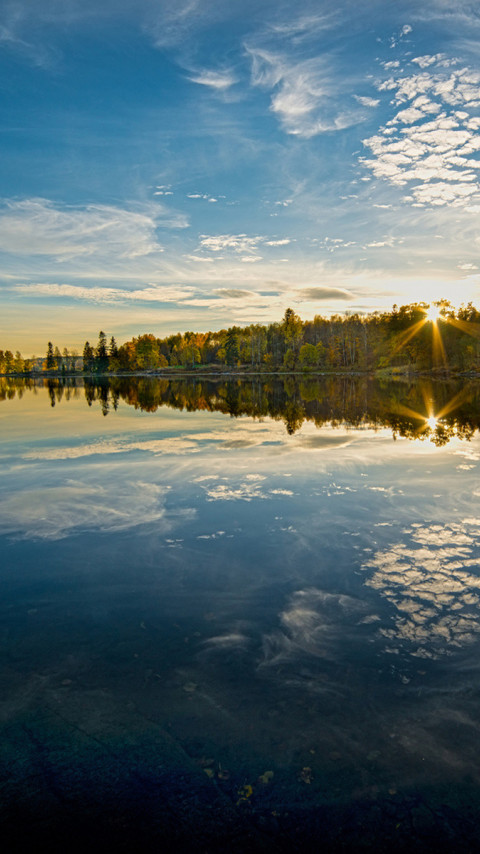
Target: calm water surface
{"points": [[250, 633]]}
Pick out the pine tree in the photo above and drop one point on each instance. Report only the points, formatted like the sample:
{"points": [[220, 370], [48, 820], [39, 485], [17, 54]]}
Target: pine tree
{"points": [[113, 348], [88, 356], [50, 360], [101, 355]]}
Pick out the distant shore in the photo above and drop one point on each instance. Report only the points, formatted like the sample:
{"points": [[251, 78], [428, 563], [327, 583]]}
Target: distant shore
{"points": [[178, 373]]}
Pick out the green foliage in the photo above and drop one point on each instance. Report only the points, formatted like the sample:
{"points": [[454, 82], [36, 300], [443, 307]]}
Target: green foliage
{"points": [[308, 356], [232, 352], [405, 339]]}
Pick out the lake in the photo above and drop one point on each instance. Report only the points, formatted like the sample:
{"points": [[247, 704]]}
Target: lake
{"points": [[240, 615]]}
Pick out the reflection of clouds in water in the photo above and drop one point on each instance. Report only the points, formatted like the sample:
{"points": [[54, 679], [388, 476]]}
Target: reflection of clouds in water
{"points": [[227, 641], [232, 646], [211, 536], [470, 456], [427, 581], [238, 437], [314, 622], [176, 444], [52, 513], [247, 489]]}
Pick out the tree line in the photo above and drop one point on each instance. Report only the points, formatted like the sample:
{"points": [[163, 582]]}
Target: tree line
{"points": [[410, 337]]}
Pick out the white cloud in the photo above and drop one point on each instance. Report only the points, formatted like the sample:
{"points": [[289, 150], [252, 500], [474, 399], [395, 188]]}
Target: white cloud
{"points": [[365, 101], [427, 60], [217, 80], [98, 294], [304, 26], [238, 243], [405, 31], [305, 94], [430, 154], [204, 196], [39, 227]]}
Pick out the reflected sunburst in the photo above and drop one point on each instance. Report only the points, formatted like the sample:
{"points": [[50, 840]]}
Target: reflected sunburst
{"points": [[430, 423]]}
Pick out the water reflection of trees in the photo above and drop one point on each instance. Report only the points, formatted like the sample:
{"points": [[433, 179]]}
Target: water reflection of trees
{"points": [[415, 410]]}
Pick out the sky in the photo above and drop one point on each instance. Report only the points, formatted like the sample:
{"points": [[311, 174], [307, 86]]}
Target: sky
{"points": [[192, 165]]}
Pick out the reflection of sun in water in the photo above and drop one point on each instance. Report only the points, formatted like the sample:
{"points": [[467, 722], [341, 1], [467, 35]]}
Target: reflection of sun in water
{"points": [[432, 313]]}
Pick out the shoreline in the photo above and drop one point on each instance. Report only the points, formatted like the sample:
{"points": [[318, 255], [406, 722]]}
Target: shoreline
{"points": [[242, 373]]}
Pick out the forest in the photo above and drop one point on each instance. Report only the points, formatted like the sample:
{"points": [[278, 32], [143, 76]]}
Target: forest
{"points": [[413, 338]]}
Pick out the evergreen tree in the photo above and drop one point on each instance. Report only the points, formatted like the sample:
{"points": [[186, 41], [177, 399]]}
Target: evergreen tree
{"points": [[50, 360], [88, 356], [113, 350], [58, 360], [101, 355]]}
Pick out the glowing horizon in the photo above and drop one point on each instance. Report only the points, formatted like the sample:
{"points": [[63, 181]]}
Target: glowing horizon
{"points": [[195, 167]]}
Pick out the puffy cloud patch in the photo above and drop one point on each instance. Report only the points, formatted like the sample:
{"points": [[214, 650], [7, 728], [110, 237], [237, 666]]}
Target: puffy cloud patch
{"points": [[434, 594], [239, 244], [365, 101], [429, 144]]}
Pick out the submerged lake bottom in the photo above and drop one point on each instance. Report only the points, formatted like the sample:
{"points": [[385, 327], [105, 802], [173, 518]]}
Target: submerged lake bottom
{"points": [[247, 633]]}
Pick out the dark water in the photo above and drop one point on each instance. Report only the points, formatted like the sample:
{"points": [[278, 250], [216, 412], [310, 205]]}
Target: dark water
{"points": [[249, 633]]}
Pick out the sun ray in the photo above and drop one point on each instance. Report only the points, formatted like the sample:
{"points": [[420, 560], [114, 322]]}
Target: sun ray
{"points": [[438, 348], [430, 421], [408, 334], [417, 416], [472, 329], [462, 396]]}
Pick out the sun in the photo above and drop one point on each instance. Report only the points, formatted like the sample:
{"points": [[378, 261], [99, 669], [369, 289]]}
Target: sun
{"points": [[432, 313]]}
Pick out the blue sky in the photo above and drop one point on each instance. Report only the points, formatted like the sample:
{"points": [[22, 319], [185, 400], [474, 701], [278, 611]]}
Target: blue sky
{"points": [[180, 166]]}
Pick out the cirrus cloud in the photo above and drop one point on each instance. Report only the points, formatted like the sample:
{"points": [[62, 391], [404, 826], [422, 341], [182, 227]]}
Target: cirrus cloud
{"points": [[40, 227]]}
